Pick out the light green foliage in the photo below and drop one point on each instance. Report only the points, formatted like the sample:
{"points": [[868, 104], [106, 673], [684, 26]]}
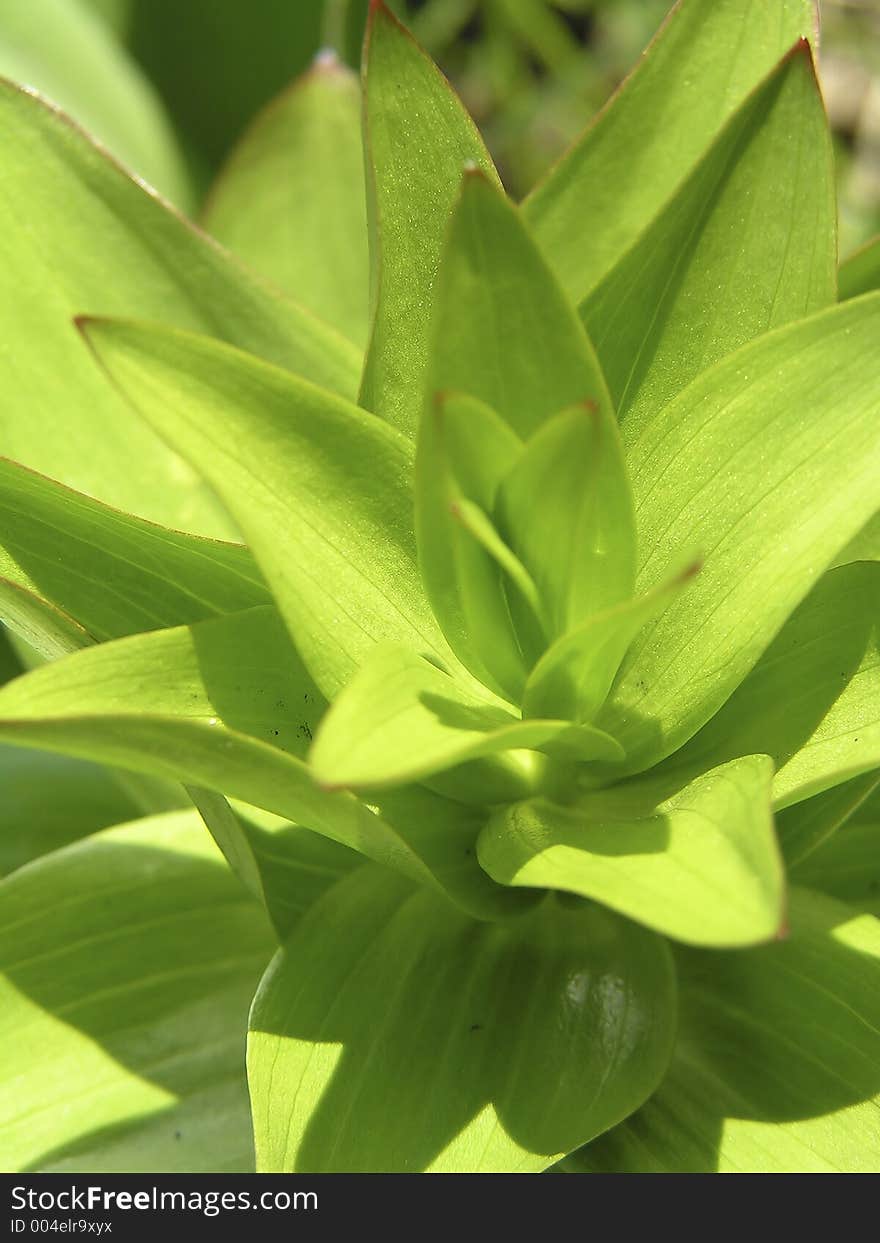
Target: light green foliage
{"points": [[140, 926], [291, 198], [536, 677], [501, 1011], [61, 50]]}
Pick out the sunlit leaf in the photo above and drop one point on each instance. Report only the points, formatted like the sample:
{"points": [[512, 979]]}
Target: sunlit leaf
{"points": [[767, 465], [320, 489], [566, 510], [410, 110], [707, 57], [99, 242], [747, 244], [755, 1084], [225, 705], [702, 866], [59, 48], [291, 200], [573, 677], [390, 1034], [108, 572], [812, 702], [129, 960], [402, 719], [504, 331]]}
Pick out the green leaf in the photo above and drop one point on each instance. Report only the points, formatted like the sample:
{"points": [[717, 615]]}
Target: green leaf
{"points": [[112, 574], [418, 139], [864, 546], [860, 272], [128, 963], [847, 866], [464, 451], [290, 199], [320, 489], [391, 1034], [149, 262], [747, 244], [217, 67], [812, 702], [47, 630], [573, 677], [403, 719], [702, 866], [226, 705], [504, 331], [283, 865], [755, 1086], [788, 424], [50, 801], [60, 49], [804, 827], [566, 511], [612, 183]]}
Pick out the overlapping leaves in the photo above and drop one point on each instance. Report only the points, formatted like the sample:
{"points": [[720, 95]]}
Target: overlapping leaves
{"points": [[583, 636]]}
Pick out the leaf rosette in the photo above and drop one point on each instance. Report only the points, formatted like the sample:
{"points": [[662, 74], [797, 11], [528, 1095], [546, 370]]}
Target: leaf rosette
{"points": [[544, 658]]}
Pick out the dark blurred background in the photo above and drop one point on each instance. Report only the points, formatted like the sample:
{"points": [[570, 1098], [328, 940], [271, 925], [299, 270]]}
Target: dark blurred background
{"points": [[532, 73]]}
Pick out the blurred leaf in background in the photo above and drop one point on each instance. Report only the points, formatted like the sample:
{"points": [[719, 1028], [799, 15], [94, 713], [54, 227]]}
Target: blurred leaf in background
{"points": [[65, 52], [532, 73], [850, 73]]}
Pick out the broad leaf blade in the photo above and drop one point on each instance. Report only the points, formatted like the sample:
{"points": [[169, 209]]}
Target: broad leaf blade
{"points": [[225, 705], [804, 827], [149, 262], [50, 801], [790, 423], [464, 451], [141, 926], [613, 182], [573, 677], [63, 51], [504, 331], [865, 544], [320, 488], [113, 574], [702, 866], [392, 1035], [566, 510], [746, 245], [860, 273], [812, 702], [753, 1087], [418, 139], [403, 719], [847, 867], [291, 200]]}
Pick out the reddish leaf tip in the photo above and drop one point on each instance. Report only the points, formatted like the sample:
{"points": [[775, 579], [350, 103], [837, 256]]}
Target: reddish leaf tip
{"points": [[82, 323]]}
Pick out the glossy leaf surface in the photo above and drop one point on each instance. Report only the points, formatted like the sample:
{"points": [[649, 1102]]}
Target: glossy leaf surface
{"points": [[392, 1035], [702, 866]]}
